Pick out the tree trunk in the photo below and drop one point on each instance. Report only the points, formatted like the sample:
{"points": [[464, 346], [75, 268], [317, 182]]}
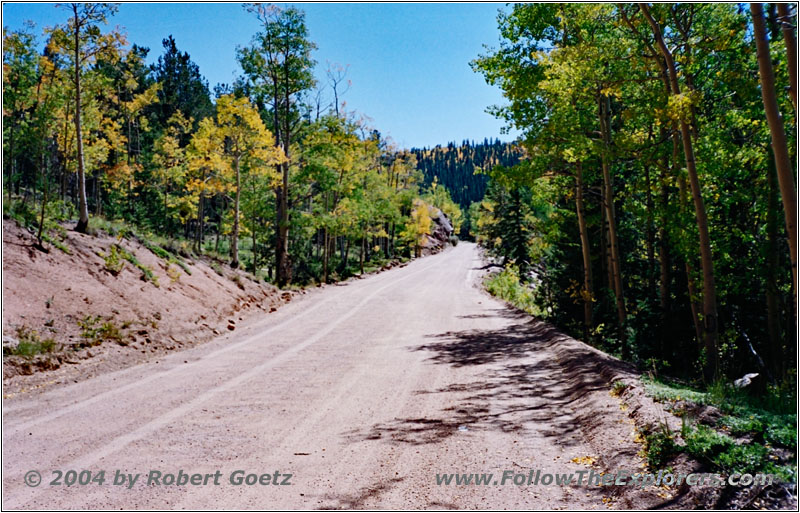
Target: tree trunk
{"points": [[45, 191], [282, 265], [83, 206], [605, 261], [361, 256], [64, 170], [604, 112], [650, 235], [63, 184], [199, 235], [285, 268], [167, 227], [588, 296], [255, 253], [325, 249], [663, 250], [325, 245], [709, 287], [200, 214], [771, 286], [778, 134], [690, 281], [279, 255], [390, 243], [235, 238], [791, 50], [694, 305], [98, 197], [10, 159], [664, 282], [346, 255]]}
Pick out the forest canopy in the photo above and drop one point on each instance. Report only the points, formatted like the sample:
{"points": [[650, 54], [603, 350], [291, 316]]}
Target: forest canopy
{"points": [[269, 172], [655, 211]]}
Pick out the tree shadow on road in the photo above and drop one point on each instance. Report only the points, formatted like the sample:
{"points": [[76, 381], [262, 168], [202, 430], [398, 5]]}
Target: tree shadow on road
{"points": [[525, 378], [359, 499], [505, 313], [527, 382]]}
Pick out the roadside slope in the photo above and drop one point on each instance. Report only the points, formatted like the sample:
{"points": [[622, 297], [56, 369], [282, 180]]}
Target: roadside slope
{"points": [[106, 314]]}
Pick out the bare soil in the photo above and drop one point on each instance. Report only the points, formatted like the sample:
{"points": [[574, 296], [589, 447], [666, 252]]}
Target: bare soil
{"points": [[51, 293]]}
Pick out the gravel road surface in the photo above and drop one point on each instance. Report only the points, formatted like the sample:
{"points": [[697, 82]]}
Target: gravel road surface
{"points": [[363, 392]]}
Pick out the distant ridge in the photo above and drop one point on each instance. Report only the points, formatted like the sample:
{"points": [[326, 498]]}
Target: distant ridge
{"points": [[455, 166]]}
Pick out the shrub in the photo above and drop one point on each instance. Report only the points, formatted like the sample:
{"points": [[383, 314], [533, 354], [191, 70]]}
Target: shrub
{"points": [[90, 332], [30, 344], [173, 273], [165, 255], [660, 447], [109, 331], [114, 263], [742, 426], [22, 212], [618, 387], [705, 443], [722, 451], [785, 435], [507, 286], [94, 333], [147, 273], [749, 458], [57, 243], [238, 281]]}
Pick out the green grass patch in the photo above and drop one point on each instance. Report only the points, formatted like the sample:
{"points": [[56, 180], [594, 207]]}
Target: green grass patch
{"points": [[56, 243], [95, 331], [112, 227], [618, 388], [165, 255], [659, 447], [507, 286], [30, 344], [165, 249], [739, 426], [27, 215], [765, 421], [147, 273], [662, 391], [217, 268], [113, 260], [721, 451]]}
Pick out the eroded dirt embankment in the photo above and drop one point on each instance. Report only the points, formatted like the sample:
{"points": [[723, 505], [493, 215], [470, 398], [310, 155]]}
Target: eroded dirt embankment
{"points": [[95, 313]]}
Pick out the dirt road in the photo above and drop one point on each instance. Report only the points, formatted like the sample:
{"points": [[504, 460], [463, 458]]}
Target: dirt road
{"points": [[363, 392]]}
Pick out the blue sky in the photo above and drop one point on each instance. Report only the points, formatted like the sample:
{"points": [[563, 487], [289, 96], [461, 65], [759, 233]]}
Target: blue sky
{"points": [[409, 63]]}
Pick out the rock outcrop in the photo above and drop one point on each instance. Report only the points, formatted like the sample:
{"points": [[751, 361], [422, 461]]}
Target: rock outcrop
{"points": [[441, 231]]}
